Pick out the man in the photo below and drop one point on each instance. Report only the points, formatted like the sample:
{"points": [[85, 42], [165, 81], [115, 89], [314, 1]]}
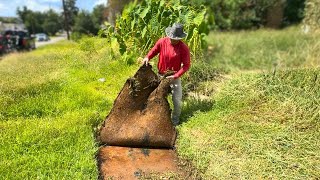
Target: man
{"points": [[174, 56]]}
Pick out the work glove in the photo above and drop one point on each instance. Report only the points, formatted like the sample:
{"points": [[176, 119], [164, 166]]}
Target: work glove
{"points": [[145, 61]]}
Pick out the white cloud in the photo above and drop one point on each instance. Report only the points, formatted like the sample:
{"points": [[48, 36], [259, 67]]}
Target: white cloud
{"points": [[3, 7], [43, 6], [104, 2], [55, 1]]}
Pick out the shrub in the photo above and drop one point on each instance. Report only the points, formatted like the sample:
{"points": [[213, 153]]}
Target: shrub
{"points": [[142, 24], [312, 17], [236, 14]]}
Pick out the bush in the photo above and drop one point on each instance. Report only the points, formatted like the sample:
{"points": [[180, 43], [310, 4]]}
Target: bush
{"points": [[236, 14], [141, 25], [312, 17]]}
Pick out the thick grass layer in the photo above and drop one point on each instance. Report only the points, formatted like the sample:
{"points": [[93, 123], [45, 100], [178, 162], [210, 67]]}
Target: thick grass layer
{"points": [[51, 102], [261, 126], [257, 124], [263, 49], [263, 120]]}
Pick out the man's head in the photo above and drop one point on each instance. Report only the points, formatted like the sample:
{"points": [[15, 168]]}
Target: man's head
{"points": [[175, 33]]}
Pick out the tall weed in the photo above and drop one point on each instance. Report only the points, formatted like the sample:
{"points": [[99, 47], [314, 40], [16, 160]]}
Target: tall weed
{"points": [[142, 24]]}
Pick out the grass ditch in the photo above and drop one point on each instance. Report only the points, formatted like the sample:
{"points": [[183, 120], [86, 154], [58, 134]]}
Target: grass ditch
{"points": [[264, 119], [258, 118], [51, 103], [262, 126]]}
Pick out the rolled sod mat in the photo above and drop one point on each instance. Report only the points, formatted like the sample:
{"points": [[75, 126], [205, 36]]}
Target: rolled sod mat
{"points": [[141, 114]]}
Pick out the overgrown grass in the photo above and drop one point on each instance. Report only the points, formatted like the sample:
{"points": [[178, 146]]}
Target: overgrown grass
{"points": [[263, 49], [261, 122], [51, 102], [264, 123]]}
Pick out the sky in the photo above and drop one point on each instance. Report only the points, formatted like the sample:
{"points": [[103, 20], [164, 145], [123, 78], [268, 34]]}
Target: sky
{"points": [[8, 7]]}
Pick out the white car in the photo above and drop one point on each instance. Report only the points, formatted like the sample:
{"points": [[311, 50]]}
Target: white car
{"points": [[42, 37]]}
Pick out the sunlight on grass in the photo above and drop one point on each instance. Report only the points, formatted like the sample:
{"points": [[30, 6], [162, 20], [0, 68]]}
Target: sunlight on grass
{"points": [[261, 126], [51, 104], [253, 112]]}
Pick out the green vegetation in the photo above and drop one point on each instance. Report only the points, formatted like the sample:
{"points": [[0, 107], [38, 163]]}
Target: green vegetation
{"points": [[51, 22], [263, 50], [258, 118], [264, 117], [142, 24], [236, 14], [312, 17], [261, 126], [51, 103]]}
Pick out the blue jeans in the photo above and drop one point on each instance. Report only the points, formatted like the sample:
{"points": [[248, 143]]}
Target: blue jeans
{"points": [[176, 89]]}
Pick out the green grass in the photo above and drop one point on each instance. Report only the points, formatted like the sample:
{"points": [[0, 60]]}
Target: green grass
{"points": [[265, 121], [259, 118], [51, 104], [260, 127], [263, 49]]}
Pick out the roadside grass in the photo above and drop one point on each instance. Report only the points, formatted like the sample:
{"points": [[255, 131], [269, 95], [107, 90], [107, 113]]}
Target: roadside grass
{"points": [[51, 104], [257, 116], [263, 49], [265, 115]]}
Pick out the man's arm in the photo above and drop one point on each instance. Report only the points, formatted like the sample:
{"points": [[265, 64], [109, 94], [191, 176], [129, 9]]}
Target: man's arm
{"points": [[186, 64], [153, 52]]}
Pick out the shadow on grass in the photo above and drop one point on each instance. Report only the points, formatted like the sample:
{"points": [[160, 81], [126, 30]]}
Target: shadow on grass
{"points": [[192, 105]]}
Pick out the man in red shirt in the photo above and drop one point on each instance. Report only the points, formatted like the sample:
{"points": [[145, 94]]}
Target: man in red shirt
{"points": [[174, 55]]}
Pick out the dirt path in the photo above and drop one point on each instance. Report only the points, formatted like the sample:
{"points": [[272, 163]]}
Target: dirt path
{"points": [[138, 131]]}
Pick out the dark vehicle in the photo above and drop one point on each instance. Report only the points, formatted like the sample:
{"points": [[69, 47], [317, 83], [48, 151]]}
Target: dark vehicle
{"points": [[3, 47], [18, 40]]}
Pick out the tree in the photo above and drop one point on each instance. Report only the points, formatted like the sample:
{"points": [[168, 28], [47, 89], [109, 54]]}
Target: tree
{"points": [[70, 12], [52, 23], [294, 11], [84, 24], [98, 15], [114, 8], [312, 16], [32, 20]]}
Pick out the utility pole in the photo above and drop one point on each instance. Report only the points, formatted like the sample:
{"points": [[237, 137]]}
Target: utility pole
{"points": [[66, 23]]}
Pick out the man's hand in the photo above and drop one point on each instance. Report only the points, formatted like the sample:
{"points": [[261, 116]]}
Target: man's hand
{"points": [[170, 77], [145, 61]]}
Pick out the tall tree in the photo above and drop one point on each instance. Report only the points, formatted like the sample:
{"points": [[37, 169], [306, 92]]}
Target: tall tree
{"points": [[52, 23], [98, 16], [114, 8], [32, 20], [70, 12], [84, 24]]}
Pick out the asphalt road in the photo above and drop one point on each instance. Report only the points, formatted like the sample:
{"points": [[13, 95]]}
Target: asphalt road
{"points": [[51, 41]]}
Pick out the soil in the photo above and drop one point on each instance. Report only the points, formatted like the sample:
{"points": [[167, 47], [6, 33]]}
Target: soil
{"points": [[133, 163], [141, 114], [138, 135]]}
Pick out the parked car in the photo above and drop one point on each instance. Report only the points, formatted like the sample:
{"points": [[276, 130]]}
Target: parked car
{"points": [[42, 37], [18, 40]]}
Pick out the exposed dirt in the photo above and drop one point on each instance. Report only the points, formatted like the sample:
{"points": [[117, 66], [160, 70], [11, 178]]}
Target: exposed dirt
{"points": [[133, 163], [138, 123], [141, 115]]}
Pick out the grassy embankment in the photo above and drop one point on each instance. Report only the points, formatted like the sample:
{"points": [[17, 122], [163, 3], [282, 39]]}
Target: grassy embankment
{"points": [[265, 118], [51, 101], [256, 123]]}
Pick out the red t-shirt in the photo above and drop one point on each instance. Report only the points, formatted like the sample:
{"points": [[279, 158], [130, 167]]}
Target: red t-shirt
{"points": [[171, 56]]}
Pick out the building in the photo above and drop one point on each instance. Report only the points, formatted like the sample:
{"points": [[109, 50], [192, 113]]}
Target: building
{"points": [[8, 23]]}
